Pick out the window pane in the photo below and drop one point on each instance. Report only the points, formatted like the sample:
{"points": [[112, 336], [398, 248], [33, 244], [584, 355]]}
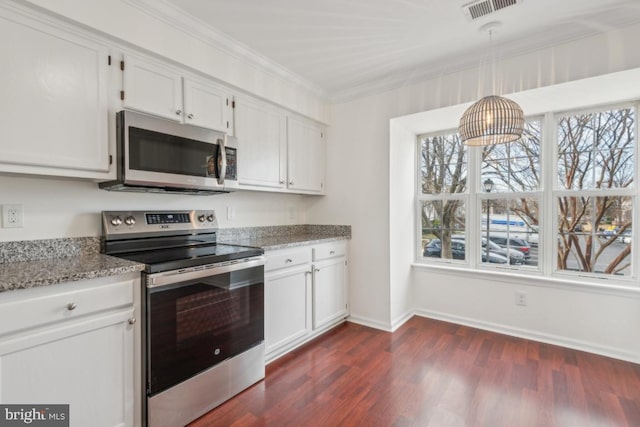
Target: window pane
{"points": [[512, 226], [514, 166], [595, 234], [596, 150], [443, 228], [443, 165]]}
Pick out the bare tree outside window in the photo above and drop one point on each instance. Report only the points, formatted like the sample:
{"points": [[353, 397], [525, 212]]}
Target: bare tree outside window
{"points": [[443, 171], [596, 153]]}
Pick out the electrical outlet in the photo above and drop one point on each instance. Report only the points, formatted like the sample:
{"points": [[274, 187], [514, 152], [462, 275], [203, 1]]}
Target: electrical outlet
{"points": [[230, 213], [521, 298], [12, 216]]}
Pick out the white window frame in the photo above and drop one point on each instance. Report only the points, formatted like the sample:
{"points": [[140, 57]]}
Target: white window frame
{"points": [[556, 192], [420, 198], [548, 193]]}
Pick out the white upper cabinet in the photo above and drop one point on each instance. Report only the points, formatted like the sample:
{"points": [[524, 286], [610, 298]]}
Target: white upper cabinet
{"points": [[207, 105], [152, 88], [278, 151], [261, 133], [53, 108], [158, 89], [305, 148]]}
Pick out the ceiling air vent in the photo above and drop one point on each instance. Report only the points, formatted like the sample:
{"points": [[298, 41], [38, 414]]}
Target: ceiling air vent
{"points": [[481, 8]]}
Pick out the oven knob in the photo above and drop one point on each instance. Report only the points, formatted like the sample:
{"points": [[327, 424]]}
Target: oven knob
{"points": [[210, 218], [202, 218], [129, 220], [116, 220]]}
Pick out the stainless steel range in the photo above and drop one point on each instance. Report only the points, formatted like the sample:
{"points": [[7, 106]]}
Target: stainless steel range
{"points": [[203, 310]]}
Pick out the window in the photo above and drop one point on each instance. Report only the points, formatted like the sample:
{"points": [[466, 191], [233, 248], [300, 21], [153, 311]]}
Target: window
{"points": [[511, 208], [595, 197], [442, 196], [565, 189]]}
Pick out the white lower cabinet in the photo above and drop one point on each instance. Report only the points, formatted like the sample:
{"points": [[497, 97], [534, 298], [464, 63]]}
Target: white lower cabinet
{"points": [[287, 318], [329, 292], [74, 344], [305, 294]]}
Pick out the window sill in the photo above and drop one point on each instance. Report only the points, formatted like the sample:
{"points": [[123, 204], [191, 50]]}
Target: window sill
{"points": [[537, 279]]}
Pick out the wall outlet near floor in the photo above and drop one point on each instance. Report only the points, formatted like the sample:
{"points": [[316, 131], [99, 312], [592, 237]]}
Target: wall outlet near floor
{"points": [[521, 298], [12, 216]]}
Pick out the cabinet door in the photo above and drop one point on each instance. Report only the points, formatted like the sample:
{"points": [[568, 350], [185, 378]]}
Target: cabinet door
{"points": [[87, 364], [261, 133], [53, 103], [152, 88], [329, 292], [286, 307], [305, 147], [207, 105]]}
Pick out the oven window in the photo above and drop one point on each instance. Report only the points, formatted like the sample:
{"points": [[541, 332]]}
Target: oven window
{"points": [[195, 325], [157, 152]]}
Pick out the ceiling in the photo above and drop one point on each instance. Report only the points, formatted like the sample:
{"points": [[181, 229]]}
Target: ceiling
{"points": [[348, 48]]}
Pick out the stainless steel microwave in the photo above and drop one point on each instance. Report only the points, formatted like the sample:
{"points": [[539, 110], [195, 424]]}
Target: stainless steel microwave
{"points": [[158, 155]]}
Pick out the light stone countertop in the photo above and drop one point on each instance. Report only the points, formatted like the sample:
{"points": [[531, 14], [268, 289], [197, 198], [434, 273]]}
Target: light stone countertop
{"points": [[281, 242], [33, 263], [45, 272]]}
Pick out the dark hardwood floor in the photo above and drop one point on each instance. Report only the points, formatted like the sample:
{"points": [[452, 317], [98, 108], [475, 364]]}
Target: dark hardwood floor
{"points": [[432, 373]]}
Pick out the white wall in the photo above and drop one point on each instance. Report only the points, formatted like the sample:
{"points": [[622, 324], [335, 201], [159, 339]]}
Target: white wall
{"points": [[64, 208], [359, 167], [591, 320]]}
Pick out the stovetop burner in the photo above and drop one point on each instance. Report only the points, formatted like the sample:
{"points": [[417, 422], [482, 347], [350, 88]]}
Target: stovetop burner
{"points": [[177, 258], [168, 240]]}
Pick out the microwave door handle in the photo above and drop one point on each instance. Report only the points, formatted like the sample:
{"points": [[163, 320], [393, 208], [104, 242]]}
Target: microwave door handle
{"points": [[222, 157]]}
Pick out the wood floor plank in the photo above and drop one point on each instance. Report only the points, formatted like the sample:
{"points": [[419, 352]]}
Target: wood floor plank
{"points": [[433, 373]]}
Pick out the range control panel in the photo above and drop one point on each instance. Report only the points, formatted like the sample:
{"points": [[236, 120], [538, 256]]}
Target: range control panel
{"points": [[143, 222]]}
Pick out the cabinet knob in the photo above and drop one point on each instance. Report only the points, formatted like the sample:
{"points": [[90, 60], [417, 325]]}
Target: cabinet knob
{"points": [[282, 182], [290, 182], [317, 270], [71, 306], [332, 252], [178, 112], [190, 116], [132, 320], [288, 260]]}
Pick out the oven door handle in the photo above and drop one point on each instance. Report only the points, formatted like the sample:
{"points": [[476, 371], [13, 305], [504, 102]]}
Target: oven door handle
{"points": [[176, 276]]}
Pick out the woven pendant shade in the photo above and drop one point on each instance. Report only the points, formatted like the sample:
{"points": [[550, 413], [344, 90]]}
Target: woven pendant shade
{"points": [[491, 120]]}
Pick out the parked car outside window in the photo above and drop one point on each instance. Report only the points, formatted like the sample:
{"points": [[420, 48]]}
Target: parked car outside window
{"points": [[434, 249], [513, 243]]}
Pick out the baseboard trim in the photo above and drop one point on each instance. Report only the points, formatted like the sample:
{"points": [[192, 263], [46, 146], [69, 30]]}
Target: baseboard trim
{"points": [[401, 320], [372, 323], [532, 335]]}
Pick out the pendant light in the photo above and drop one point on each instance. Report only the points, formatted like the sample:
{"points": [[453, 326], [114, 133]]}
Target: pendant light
{"points": [[493, 119]]}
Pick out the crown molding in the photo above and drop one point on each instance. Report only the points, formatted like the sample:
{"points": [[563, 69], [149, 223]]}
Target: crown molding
{"points": [[170, 14]]}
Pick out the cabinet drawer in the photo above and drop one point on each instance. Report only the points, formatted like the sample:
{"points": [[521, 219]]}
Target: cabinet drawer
{"points": [[287, 258], [329, 250], [35, 307]]}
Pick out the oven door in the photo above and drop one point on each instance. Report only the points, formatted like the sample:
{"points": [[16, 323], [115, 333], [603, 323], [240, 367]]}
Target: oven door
{"points": [[197, 318]]}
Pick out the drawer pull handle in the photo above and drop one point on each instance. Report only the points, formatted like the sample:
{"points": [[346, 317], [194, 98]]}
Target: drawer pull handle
{"points": [[132, 321], [332, 253], [288, 260], [71, 306]]}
